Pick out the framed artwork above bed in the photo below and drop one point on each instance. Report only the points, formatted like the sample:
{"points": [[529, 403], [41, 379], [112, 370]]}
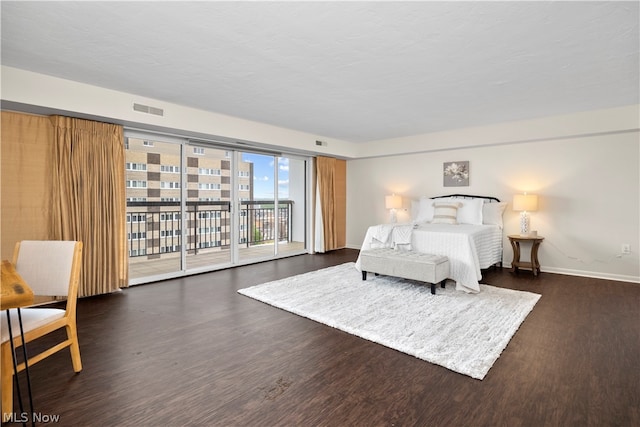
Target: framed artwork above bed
{"points": [[455, 174]]}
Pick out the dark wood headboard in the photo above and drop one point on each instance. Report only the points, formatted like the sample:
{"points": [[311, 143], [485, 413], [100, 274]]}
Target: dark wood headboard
{"points": [[488, 199]]}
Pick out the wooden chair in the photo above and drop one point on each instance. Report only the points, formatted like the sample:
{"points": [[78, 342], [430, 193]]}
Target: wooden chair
{"points": [[50, 268]]}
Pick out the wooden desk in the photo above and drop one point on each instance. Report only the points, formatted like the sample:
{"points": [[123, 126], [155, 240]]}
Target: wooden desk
{"points": [[15, 292], [534, 264]]}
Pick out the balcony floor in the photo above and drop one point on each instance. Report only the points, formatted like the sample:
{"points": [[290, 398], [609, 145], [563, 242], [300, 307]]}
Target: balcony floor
{"points": [[140, 267]]}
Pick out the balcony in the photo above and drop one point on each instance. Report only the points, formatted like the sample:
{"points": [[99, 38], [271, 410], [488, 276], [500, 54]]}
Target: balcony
{"points": [[155, 237]]}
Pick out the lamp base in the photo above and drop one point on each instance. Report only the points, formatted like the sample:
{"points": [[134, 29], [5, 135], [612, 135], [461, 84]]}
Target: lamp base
{"points": [[393, 218], [524, 223]]}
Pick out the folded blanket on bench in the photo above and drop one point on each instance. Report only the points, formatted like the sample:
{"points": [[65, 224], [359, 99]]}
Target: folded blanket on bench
{"points": [[391, 235]]}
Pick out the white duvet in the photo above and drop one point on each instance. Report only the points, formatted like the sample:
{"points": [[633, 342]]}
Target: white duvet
{"points": [[468, 247]]}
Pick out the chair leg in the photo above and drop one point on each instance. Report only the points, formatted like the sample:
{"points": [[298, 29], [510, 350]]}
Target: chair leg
{"points": [[6, 372], [74, 348]]}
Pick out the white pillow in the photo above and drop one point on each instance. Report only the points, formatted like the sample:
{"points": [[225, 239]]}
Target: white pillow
{"points": [[425, 210], [470, 211], [445, 212], [492, 213]]}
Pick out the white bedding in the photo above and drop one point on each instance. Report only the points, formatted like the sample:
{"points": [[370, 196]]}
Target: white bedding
{"points": [[468, 247]]}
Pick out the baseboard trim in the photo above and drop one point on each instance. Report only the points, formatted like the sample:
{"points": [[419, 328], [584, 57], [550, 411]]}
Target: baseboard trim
{"points": [[592, 274]]}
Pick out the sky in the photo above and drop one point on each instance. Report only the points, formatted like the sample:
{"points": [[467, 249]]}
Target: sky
{"points": [[263, 171]]}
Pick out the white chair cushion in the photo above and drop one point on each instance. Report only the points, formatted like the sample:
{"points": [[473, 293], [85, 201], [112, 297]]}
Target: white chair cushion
{"points": [[32, 318]]}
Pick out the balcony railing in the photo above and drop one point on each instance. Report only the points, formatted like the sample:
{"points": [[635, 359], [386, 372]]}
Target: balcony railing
{"points": [[154, 228]]}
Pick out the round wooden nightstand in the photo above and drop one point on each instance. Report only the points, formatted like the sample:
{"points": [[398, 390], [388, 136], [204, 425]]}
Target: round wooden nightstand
{"points": [[534, 264]]}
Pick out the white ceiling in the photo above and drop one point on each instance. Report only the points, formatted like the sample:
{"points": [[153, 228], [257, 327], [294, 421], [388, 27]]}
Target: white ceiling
{"points": [[355, 71]]}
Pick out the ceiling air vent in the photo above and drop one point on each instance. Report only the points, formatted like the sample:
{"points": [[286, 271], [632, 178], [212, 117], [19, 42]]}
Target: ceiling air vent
{"points": [[147, 109]]}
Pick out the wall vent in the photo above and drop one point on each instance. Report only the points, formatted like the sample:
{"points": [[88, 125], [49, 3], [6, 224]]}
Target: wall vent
{"points": [[148, 109]]}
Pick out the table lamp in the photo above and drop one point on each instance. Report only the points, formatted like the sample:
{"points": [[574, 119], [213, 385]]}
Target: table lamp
{"points": [[525, 203], [393, 202]]}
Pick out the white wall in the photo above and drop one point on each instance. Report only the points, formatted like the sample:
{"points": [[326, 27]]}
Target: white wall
{"points": [[589, 188], [52, 95], [554, 127]]}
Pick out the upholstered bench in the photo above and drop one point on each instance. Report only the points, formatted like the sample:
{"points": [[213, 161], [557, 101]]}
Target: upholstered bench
{"points": [[406, 264]]}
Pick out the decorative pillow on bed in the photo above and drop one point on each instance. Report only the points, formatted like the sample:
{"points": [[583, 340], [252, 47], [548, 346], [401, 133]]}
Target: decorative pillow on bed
{"points": [[470, 211], [445, 212], [425, 210], [492, 213]]}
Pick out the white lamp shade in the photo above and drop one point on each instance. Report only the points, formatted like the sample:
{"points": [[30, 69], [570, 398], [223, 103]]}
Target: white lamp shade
{"points": [[525, 202], [393, 202]]}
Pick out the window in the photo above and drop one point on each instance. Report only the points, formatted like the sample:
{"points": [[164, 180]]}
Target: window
{"points": [[208, 186], [137, 236], [136, 184], [136, 166], [136, 199], [169, 169], [243, 174], [147, 143], [198, 150], [168, 184], [170, 216], [169, 199], [140, 217], [209, 215], [245, 187], [206, 171]]}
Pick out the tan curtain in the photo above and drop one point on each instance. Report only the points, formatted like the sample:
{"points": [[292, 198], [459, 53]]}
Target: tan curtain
{"points": [[25, 180], [325, 176], [89, 199]]}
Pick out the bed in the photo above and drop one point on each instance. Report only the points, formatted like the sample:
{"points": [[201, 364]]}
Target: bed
{"points": [[469, 235]]}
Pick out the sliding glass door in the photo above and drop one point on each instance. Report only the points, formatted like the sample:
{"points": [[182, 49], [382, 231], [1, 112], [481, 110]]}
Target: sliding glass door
{"points": [[272, 207], [194, 207], [292, 210], [256, 205], [209, 197], [154, 206]]}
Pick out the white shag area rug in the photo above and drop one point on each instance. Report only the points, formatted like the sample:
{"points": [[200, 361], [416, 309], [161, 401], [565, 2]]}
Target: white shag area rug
{"points": [[462, 332]]}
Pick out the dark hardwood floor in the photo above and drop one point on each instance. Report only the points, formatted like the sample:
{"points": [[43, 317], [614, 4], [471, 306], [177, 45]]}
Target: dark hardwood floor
{"points": [[192, 351]]}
